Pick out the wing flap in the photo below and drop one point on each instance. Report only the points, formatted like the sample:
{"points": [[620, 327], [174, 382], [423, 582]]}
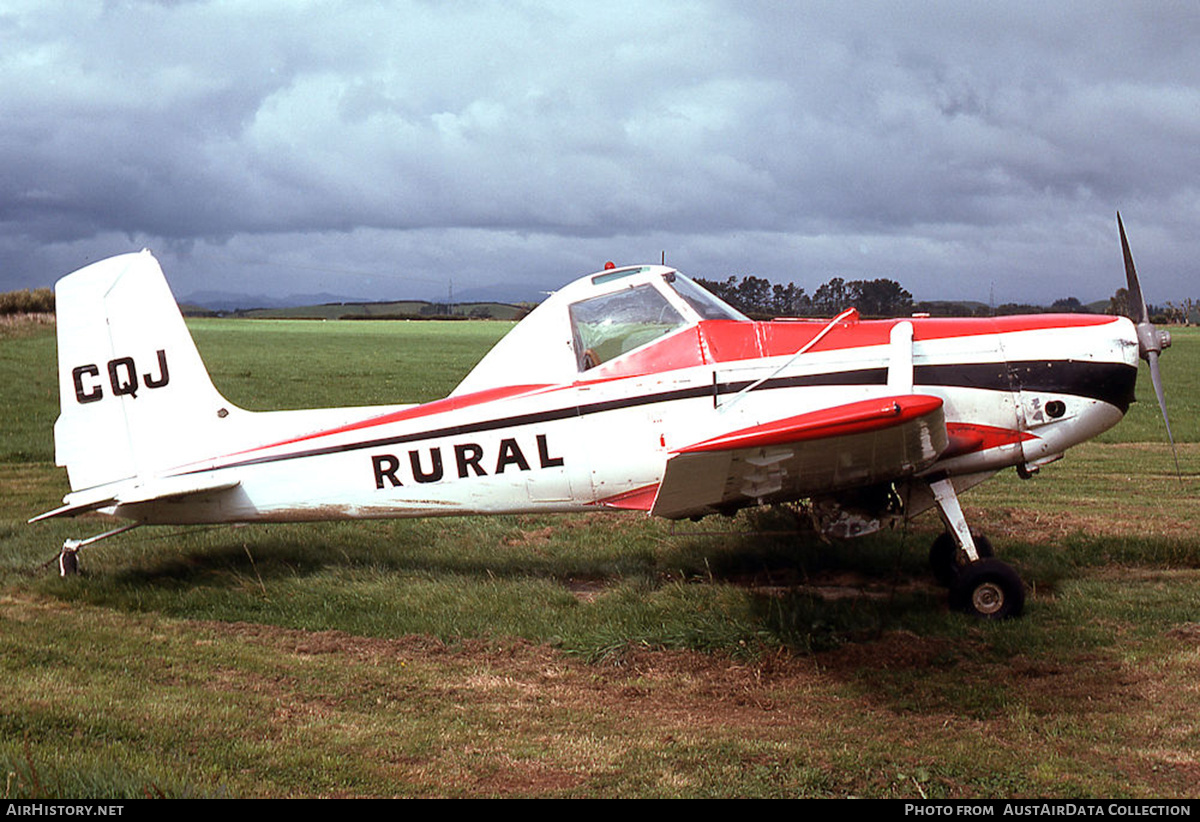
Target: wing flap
{"points": [[847, 446]]}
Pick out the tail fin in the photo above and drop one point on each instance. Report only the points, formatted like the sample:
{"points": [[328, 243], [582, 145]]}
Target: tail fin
{"points": [[135, 397]]}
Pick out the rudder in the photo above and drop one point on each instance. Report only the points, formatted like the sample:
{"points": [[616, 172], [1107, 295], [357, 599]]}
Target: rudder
{"points": [[134, 395]]}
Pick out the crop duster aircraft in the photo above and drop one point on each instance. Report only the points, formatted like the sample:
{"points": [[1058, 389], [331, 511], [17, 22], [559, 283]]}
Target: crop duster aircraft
{"points": [[632, 388]]}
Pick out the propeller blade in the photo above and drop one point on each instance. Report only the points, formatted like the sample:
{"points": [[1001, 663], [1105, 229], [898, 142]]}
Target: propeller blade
{"points": [[1151, 341], [1156, 378], [1133, 288]]}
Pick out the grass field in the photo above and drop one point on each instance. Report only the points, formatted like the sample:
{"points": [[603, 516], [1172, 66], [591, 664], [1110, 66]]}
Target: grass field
{"points": [[597, 655]]}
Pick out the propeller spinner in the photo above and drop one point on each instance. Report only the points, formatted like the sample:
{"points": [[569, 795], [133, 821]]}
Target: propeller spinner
{"points": [[1151, 341]]}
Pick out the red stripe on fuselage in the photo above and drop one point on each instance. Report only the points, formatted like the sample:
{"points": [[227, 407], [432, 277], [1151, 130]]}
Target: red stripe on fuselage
{"points": [[639, 499], [441, 406], [969, 438]]}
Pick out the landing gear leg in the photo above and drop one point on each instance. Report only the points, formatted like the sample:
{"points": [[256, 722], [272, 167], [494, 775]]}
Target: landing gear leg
{"points": [[952, 516], [68, 556], [980, 585]]}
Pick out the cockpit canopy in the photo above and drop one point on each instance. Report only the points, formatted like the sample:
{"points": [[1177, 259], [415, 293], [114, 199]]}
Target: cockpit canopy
{"points": [[593, 321], [606, 327], [609, 325]]}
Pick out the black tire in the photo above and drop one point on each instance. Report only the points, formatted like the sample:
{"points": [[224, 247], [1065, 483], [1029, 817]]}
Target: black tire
{"points": [[988, 589], [68, 563], [944, 556]]}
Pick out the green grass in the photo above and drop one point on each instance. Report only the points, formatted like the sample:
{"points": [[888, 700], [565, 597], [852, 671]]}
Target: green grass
{"points": [[317, 364], [29, 374], [598, 655]]}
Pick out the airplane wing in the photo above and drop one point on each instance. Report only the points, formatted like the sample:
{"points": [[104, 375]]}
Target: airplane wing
{"points": [[130, 493], [847, 446]]}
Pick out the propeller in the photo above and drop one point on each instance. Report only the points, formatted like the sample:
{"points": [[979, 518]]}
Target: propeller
{"points": [[1151, 341]]}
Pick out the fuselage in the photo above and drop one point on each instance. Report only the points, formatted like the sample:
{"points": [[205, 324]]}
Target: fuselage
{"points": [[1016, 390], [631, 388]]}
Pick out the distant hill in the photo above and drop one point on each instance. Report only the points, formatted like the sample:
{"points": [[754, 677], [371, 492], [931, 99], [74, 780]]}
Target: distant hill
{"points": [[227, 301], [400, 309], [506, 293]]}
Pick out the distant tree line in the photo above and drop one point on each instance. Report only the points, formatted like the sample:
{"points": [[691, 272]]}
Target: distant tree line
{"points": [[1169, 314], [759, 298], [37, 301]]}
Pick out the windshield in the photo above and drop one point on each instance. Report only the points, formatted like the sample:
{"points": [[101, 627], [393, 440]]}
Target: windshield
{"points": [[607, 327], [705, 304]]}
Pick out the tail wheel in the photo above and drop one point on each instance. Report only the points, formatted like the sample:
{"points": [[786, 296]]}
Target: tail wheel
{"points": [[68, 563], [947, 560], [988, 589]]}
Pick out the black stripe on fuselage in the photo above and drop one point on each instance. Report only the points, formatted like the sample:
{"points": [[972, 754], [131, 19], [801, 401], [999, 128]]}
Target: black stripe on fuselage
{"points": [[1109, 382]]}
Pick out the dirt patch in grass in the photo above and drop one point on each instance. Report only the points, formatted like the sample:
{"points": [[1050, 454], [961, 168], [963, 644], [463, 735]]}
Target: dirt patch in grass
{"points": [[1034, 525], [587, 589], [901, 715], [1189, 632], [1093, 519], [532, 537], [641, 681], [830, 584], [901, 694]]}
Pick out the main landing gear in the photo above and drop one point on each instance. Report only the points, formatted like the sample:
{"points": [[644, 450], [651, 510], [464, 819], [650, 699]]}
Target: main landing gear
{"points": [[980, 584]]}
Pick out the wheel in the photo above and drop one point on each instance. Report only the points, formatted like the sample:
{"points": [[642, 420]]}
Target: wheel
{"points": [[988, 589], [944, 556]]}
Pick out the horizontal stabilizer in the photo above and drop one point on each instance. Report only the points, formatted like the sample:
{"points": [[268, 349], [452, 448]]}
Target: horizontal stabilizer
{"points": [[74, 509], [831, 449], [130, 493]]}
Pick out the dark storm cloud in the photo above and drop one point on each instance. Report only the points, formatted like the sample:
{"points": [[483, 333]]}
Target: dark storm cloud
{"points": [[379, 149]]}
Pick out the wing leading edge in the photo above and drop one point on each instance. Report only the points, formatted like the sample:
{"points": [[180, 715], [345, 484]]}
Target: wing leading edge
{"points": [[847, 446]]}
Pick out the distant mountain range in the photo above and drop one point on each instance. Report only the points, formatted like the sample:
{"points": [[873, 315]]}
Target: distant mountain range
{"points": [[228, 301]]}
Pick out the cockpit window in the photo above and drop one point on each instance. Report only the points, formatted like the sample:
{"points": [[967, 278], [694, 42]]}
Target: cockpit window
{"points": [[606, 327], [705, 304]]}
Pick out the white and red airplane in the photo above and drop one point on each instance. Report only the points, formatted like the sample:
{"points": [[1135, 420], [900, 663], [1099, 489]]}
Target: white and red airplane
{"points": [[632, 388]]}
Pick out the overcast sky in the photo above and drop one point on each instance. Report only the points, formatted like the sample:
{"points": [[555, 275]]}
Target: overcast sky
{"points": [[969, 150]]}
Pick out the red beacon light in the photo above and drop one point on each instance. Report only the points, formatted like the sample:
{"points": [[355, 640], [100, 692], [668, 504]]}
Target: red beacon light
{"points": [[610, 265]]}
